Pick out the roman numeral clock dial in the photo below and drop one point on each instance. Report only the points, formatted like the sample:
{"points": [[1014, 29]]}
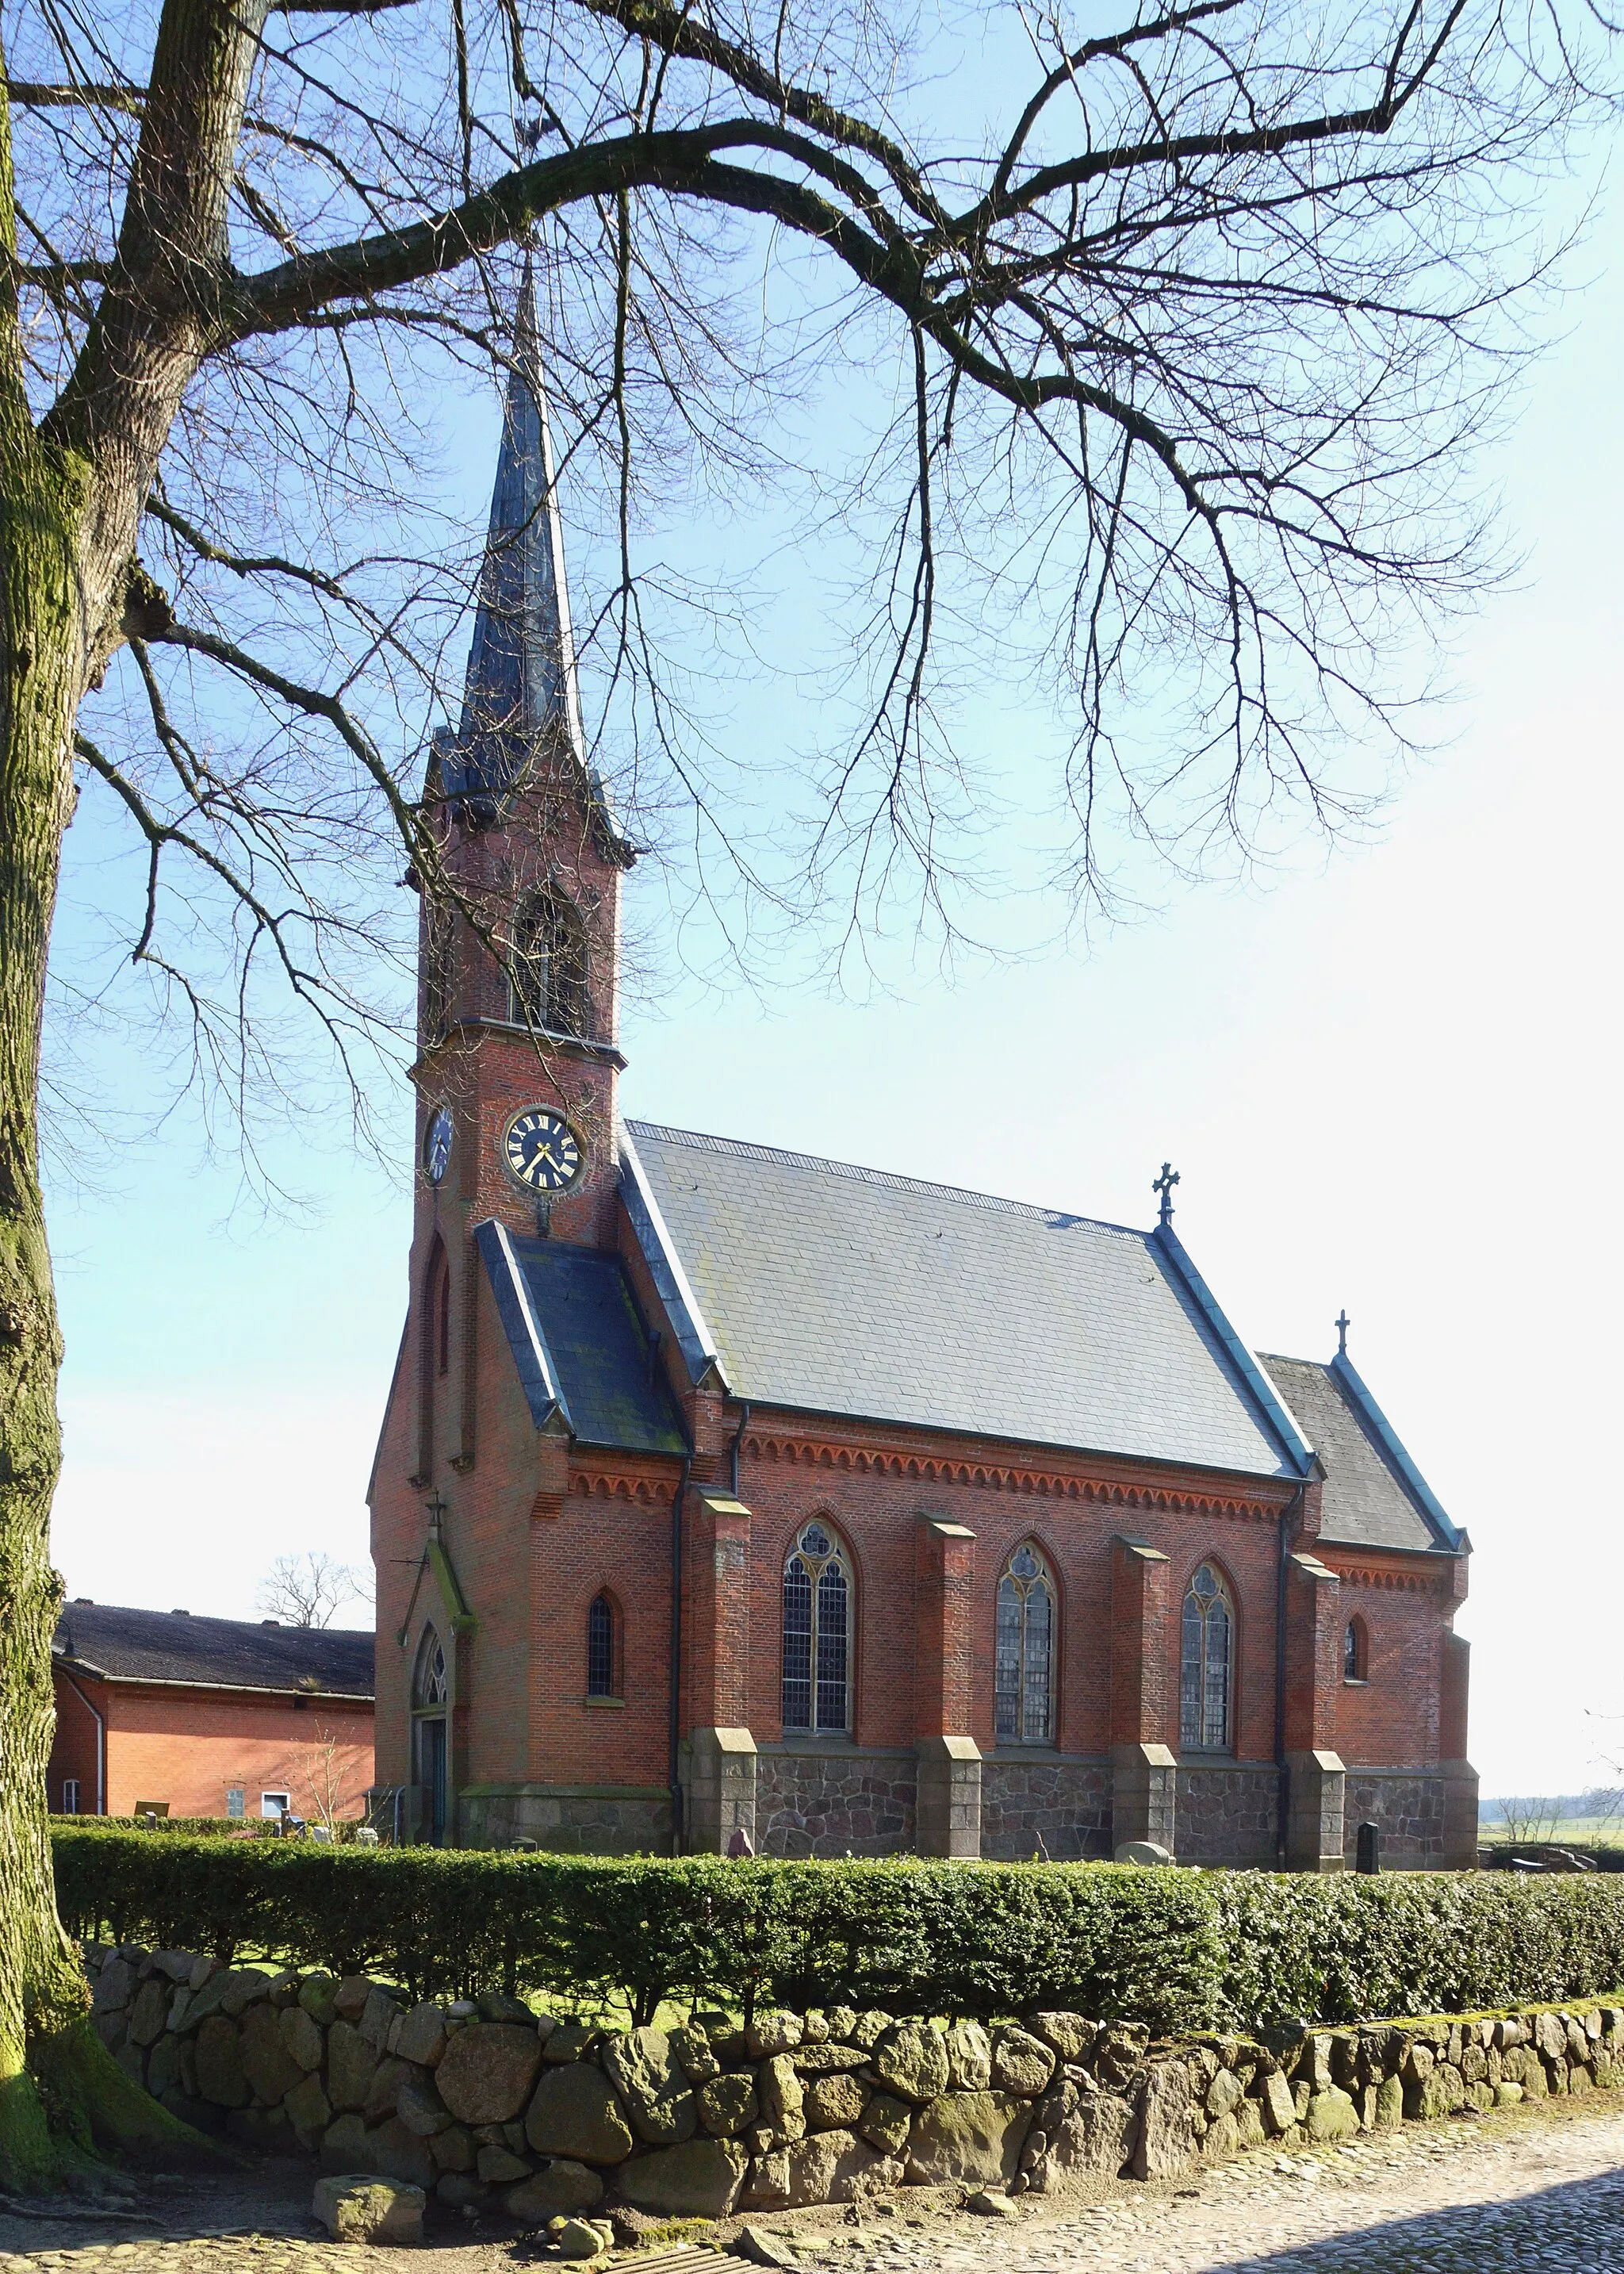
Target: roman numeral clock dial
{"points": [[541, 1151]]}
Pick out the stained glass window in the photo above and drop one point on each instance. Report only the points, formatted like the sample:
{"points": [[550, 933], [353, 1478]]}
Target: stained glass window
{"points": [[1024, 1651], [818, 1614], [1207, 1640], [600, 1648]]}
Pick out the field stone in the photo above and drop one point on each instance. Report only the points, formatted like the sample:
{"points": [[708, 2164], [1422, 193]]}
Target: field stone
{"points": [[1332, 2115], [727, 2104], [653, 2085], [343, 2144], [384, 2092], [1021, 2063], [149, 2013], [453, 2150], [969, 2057], [318, 1996], [837, 2168], [163, 2067], [692, 2049], [1223, 2093], [379, 2016], [1167, 2126], [1249, 2125], [911, 2060], [397, 2154], [1223, 2139], [576, 2238], [487, 2069], [781, 2097], [833, 2104], [772, 2033], [420, 2108], [1279, 2105], [1094, 2140], [501, 2167], [766, 2183], [266, 2063], [351, 2066], [568, 2042], [308, 2110], [300, 2034], [577, 2114], [975, 2137], [419, 2036], [115, 1987], [1069, 2035], [561, 2188], [885, 2123], [699, 2178], [355, 2208], [221, 2076]]}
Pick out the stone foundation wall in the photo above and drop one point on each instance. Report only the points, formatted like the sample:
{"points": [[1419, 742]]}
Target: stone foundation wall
{"points": [[1410, 1809], [1226, 1814], [569, 1819], [1059, 1808], [489, 2104], [816, 1803]]}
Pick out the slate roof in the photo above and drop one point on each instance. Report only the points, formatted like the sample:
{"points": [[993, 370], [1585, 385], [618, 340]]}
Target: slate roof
{"points": [[583, 1353], [1375, 1495], [175, 1646], [844, 1291]]}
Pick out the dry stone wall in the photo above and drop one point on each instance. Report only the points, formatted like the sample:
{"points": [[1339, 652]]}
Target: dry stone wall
{"points": [[487, 2102]]}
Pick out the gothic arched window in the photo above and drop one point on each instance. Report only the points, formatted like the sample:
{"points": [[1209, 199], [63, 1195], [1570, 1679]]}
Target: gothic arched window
{"points": [[817, 1626], [1025, 1655], [1207, 1659], [547, 984], [430, 1699], [429, 1691], [1354, 1652], [601, 1654]]}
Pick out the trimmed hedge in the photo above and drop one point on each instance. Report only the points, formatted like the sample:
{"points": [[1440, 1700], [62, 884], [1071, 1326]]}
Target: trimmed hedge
{"points": [[1178, 1950]]}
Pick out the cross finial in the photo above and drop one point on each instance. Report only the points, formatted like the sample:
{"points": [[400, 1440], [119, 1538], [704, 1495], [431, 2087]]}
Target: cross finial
{"points": [[1343, 1325], [1164, 1184]]}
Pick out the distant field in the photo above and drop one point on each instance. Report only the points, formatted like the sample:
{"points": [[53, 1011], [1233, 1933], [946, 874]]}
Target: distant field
{"points": [[1580, 1831]]}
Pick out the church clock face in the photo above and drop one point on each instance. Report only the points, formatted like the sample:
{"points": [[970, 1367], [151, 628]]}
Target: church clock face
{"points": [[541, 1149], [437, 1144]]}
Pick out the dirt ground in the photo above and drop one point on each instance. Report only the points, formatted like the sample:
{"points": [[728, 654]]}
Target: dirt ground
{"points": [[1531, 2187]]}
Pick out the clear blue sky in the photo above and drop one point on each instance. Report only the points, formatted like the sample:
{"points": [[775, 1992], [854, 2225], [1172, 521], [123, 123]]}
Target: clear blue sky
{"points": [[1389, 1080]]}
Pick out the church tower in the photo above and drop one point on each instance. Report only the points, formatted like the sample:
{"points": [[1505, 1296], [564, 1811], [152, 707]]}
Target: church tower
{"points": [[518, 979]]}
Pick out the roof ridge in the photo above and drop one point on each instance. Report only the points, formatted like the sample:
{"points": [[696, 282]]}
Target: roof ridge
{"points": [[993, 1203]]}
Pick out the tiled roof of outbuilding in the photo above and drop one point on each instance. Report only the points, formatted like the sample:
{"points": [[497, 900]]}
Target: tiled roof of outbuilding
{"points": [[844, 1291], [228, 1653]]}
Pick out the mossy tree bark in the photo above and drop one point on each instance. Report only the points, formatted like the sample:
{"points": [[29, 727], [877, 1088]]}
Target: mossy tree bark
{"points": [[71, 489]]}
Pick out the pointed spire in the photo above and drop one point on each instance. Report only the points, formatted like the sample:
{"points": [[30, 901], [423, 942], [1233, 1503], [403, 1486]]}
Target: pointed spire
{"points": [[520, 684]]}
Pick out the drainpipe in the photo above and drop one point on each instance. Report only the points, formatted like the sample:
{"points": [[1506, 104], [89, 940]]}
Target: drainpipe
{"points": [[678, 1497], [101, 1741], [733, 1471], [1291, 1511]]}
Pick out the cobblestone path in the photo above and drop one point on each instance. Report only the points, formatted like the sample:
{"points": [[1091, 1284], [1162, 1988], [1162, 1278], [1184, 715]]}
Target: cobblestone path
{"points": [[1530, 2191]]}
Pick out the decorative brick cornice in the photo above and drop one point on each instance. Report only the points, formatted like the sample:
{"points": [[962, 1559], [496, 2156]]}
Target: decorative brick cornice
{"points": [[797, 1451], [1395, 1581], [621, 1484]]}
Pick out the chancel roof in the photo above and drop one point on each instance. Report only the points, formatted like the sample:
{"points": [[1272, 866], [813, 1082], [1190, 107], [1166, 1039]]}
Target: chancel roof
{"points": [[844, 1291], [1374, 1496], [138, 1645]]}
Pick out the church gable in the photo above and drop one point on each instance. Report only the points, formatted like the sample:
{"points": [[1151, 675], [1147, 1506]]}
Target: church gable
{"points": [[1373, 1496], [844, 1291]]}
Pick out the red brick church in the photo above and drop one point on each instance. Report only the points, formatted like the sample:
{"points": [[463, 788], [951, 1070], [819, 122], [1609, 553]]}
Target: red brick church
{"points": [[724, 1491]]}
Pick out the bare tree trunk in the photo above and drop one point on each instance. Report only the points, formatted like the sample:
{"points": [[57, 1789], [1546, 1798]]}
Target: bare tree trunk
{"points": [[60, 2090]]}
